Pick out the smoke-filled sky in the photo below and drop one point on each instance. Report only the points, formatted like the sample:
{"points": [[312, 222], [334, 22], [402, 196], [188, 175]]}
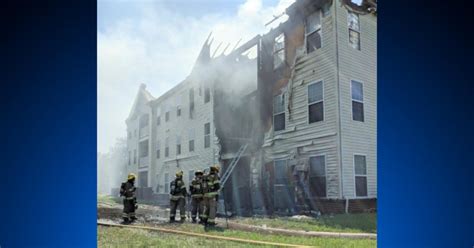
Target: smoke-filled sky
{"points": [[157, 42]]}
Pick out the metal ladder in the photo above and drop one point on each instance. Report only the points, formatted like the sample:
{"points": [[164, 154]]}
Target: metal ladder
{"points": [[232, 165]]}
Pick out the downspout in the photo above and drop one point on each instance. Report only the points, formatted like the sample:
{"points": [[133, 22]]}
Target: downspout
{"points": [[339, 110]]}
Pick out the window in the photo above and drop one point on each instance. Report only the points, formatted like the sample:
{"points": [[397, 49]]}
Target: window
{"points": [[317, 175], [158, 118], [207, 95], [313, 32], [279, 50], [158, 151], [143, 121], [354, 30], [135, 156], [143, 149], [135, 133], [167, 113], [191, 103], [357, 93], [281, 172], [360, 169], [191, 140], [129, 135], [129, 157], [279, 112], [143, 179], [167, 182], [207, 135], [178, 144], [167, 147], [178, 105], [315, 102]]}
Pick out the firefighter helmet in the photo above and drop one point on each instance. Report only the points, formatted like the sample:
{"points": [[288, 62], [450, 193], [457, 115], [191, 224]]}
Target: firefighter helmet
{"points": [[131, 176], [179, 173], [215, 168], [198, 172]]}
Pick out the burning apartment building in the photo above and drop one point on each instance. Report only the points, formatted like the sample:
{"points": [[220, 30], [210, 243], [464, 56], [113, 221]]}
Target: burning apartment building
{"points": [[293, 127]]}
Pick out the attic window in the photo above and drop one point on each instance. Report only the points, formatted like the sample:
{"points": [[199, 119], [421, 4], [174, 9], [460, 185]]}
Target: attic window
{"points": [[313, 32], [279, 50], [354, 30]]}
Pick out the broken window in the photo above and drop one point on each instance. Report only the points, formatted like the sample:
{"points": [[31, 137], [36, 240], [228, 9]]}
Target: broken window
{"points": [[281, 172], [207, 95], [317, 176], [191, 103], [167, 147], [360, 169], [279, 112], [135, 156], [207, 135], [357, 92], [158, 151], [313, 32], [178, 144], [167, 182], [191, 140], [315, 102], [279, 50], [354, 30]]}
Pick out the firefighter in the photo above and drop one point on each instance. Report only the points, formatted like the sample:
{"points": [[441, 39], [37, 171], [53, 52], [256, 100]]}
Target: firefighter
{"points": [[127, 190], [196, 196], [177, 197], [211, 191]]}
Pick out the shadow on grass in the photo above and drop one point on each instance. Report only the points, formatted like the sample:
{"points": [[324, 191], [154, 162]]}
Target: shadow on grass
{"points": [[214, 228]]}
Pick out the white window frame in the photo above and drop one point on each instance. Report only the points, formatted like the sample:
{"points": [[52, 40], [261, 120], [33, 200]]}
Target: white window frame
{"points": [[363, 99], [325, 171], [307, 102], [357, 31], [277, 51], [206, 135], [178, 143], [167, 146], [282, 112], [192, 137], [359, 175], [308, 34]]}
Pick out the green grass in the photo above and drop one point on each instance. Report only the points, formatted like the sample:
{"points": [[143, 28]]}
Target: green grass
{"points": [[338, 223], [111, 236]]}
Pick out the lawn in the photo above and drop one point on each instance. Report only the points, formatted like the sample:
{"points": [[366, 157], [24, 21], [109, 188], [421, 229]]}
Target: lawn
{"points": [[353, 223], [112, 236]]}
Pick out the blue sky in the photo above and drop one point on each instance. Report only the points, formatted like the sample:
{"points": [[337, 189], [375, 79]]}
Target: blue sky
{"points": [[157, 42]]}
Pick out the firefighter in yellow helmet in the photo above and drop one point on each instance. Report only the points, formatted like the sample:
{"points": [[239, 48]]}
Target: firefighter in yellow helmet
{"points": [[178, 197], [211, 191], [195, 188], [127, 191]]}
